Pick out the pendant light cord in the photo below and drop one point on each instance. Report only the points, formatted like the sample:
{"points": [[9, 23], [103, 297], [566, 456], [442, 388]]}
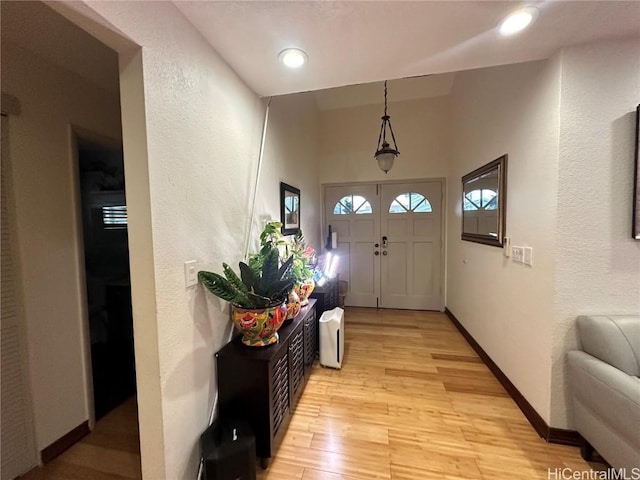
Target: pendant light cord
{"points": [[385, 118], [385, 98], [382, 138]]}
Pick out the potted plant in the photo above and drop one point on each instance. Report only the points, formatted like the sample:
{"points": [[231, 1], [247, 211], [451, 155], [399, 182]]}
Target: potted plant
{"points": [[258, 296], [301, 269], [272, 238]]}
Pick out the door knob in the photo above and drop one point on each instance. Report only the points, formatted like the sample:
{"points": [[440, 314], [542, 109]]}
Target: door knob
{"points": [[385, 253], [376, 253], [376, 245]]}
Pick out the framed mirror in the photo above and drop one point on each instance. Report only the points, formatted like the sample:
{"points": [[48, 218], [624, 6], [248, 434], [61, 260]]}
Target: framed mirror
{"points": [[289, 209], [484, 199]]}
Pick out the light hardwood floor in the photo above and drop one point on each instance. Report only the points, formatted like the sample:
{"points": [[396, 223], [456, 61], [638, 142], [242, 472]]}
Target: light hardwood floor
{"points": [[110, 452], [412, 402]]}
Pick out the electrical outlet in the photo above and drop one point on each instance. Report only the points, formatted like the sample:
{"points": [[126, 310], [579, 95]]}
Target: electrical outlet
{"points": [[517, 254], [191, 273], [528, 256]]}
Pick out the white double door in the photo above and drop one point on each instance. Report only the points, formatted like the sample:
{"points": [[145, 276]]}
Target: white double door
{"points": [[389, 243]]}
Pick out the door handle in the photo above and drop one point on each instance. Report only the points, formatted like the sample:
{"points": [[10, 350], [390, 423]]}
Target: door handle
{"points": [[385, 243], [376, 253], [385, 253], [376, 245]]}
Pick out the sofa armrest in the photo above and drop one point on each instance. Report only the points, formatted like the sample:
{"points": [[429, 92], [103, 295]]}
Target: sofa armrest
{"points": [[610, 394], [614, 339]]}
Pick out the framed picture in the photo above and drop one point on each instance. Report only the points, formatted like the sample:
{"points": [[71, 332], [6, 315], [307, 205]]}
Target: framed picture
{"points": [[636, 182], [289, 209]]}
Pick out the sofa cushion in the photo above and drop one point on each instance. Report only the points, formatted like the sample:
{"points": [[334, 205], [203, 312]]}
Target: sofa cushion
{"points": [[614, 339]]}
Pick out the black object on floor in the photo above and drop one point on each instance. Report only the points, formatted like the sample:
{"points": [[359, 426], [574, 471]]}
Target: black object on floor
{"points": [[228, 451]]}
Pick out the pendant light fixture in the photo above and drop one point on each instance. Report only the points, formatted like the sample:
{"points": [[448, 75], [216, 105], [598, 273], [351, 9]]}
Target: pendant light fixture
{"points": [[385, 155]]}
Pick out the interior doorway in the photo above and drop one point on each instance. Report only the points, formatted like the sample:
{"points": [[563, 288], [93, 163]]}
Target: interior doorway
{"points": [[390, 242], [108, 284]]}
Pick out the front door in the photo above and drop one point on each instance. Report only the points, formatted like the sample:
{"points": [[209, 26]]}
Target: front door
{"points": [[411, 245], [354, 214], [389, 242]]}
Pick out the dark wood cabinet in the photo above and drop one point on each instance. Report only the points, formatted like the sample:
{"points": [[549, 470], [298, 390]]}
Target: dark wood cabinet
{"points": [[262, 385], [279, 408], [310, 331], [296, 364], [326, 296]]}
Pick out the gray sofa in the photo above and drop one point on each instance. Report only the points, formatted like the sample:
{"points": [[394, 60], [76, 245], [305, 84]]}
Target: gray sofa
{"points": [[605, 388]]}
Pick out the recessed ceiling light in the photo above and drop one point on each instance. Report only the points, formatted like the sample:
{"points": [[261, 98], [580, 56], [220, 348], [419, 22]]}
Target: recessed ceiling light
{"points": [[518, 20], [293, 57]]}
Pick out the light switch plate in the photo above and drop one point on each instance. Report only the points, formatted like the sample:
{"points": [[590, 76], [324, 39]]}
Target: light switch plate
{"points": [[191, 273], [528, 256], [517, 254]]}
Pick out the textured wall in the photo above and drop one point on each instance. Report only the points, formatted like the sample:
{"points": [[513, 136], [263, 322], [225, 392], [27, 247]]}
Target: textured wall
{"points": [[141, 265], [505, 306], [191, 136], [192, 132], [350, 135], [597, 264], [191, 139], [44, 171], [291, 156]]}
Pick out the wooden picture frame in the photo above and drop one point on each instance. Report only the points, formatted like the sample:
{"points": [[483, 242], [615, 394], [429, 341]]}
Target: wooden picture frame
{"points": [[484, 203], [289, 209]]}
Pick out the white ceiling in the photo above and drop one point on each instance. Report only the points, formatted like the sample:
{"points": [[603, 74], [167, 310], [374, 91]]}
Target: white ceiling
{"points": [[349, 43], [353, 42]]}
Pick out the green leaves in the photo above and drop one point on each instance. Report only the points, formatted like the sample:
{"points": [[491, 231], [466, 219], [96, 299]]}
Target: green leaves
{"points": [[258, 301], [263, 281], [271, 236], [221, 287], [249, 277], [285, 268], [279, 288], [252, 290], [270, 269], [233, 279]]}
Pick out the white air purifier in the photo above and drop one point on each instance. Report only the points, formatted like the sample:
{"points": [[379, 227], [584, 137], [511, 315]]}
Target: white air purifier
{"points": [[332, 338]]}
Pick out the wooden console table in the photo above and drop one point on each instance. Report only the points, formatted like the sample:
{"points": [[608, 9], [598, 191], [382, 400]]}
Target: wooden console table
{"points": [[262, 385], [327, 296]]}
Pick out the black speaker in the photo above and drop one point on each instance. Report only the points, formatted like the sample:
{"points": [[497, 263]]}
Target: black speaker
{"points": [[228, 451]]}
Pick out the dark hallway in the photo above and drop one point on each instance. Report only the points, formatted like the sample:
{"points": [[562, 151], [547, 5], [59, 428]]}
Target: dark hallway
{"points": [[104, 219]]}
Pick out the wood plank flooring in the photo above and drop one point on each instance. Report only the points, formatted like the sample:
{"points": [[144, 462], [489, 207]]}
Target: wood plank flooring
{"points": [[412, 402], [110, 452]]}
